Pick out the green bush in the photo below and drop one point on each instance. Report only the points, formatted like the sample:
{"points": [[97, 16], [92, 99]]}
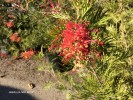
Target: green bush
{"points": [[30, 24], [110, 77], [108, 72]]}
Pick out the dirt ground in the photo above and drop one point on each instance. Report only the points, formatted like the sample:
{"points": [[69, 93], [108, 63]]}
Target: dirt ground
{"points": [[22, 75]]}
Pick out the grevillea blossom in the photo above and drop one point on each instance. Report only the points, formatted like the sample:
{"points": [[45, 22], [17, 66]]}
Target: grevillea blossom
{"points": [[27, 54], [15, 38], [9, 24], [75, 42]]}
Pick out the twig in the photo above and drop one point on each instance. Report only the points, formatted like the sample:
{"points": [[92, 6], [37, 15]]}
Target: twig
{"points": [[94, 73]]}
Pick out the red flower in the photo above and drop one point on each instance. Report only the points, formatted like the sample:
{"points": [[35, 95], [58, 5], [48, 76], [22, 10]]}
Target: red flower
{"points": [[9, 24], [27, 54], [15, 38], [75, 41], [18, 39], [100, 43], [69, 25]]}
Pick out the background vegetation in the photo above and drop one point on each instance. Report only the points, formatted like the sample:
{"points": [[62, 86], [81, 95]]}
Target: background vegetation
{"points": [[108, 76]]}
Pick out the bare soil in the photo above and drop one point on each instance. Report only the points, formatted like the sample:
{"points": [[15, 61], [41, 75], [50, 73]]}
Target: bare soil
{"points": [[20, 74]]}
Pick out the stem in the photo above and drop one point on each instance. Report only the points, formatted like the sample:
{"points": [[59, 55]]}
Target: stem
{"points": [[27, 5], [94, 73], [120, 5]]}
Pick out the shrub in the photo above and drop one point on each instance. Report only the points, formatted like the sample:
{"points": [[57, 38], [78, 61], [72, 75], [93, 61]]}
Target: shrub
{"points": [[24, 28], [74, 44], [110, 77]]}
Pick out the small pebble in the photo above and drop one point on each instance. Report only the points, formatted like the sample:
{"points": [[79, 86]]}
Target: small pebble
{"points": [[31, 85]]}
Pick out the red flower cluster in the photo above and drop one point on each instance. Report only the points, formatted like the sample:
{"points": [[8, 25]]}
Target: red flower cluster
{"points": [[75, 42], [9, 24], [15, 38], [27, 54]]}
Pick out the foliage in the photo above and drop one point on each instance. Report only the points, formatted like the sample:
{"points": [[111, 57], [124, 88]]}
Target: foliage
{"points": [[110, 77], [23, 28], [106, 27]]}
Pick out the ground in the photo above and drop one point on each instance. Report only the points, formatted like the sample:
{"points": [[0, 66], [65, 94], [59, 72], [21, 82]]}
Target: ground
{"points": [[22, 76]]}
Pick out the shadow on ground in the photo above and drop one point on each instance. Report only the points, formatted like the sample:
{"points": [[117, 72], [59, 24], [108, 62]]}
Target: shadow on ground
{"points": [[9, 93]]}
